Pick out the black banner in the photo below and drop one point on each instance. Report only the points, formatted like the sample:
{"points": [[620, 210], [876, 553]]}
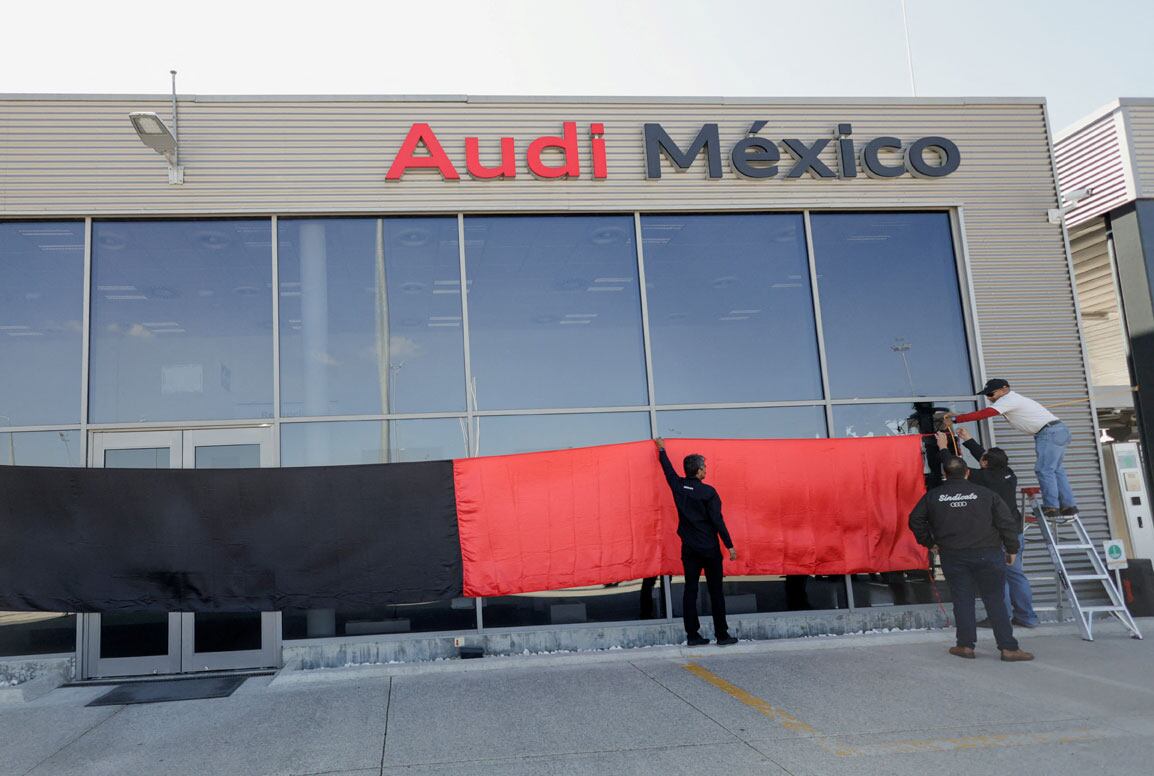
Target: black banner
{"points": [[108, 540]]}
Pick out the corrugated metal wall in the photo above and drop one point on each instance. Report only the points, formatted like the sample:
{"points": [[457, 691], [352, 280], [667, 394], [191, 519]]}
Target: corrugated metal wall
{"points": [[1096, 156], [298, 155], [1097, 287], [1140, 120]]}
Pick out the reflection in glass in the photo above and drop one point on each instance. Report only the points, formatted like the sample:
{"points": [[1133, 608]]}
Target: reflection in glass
{"points": [[41, 309], [769, 593], [631, 600], [138, 458], [365, 441], [730, 309], [755, 423], [456, 614], [181, 320], [41, 448], [36, 633], [505, 434], [554, 312], [890, 305], [226, 631], [370, 316], [227, 457], [138, 634]]}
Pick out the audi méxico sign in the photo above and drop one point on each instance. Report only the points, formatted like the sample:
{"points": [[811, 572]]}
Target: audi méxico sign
{"points": [[753, 156]]}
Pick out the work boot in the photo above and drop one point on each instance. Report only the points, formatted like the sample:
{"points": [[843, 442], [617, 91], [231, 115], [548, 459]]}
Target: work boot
{"points": [[726, 641], [696, 641], [1068, 511], [1016, 655], [1051, 511], [966, 652]]}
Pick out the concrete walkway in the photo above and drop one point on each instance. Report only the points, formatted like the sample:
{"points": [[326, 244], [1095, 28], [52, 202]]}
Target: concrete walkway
{"points": [[884, 704]]}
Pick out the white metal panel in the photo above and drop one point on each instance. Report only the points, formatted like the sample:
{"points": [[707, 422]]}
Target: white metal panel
{"points": [[1095, 156]]}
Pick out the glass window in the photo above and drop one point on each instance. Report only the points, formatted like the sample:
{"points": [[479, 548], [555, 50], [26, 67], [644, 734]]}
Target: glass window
{"points": [[730, 309], [554, 312], [41, 313], [890, 305], [916, 586], [506, 434], [755, 423], [626, 600], [41, 448], [39, 633], [181, 320], [458, 614], [365, 441], [767, 593], [370, 316]]}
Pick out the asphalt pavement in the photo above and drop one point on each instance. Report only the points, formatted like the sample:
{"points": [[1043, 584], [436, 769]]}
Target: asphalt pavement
{"points": [[870, 704]]}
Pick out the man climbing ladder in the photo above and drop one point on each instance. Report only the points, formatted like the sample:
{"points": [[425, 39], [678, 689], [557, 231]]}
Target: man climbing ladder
{"points": [[1051, 436]]}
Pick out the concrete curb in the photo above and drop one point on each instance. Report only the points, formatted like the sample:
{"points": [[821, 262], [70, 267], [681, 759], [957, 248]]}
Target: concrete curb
{"points": [[296, 677]]}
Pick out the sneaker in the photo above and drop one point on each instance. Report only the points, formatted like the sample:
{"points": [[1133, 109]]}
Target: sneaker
{"points": [[966, 652], [1016, 655], [985, 623], [1023, 624], [1068, 511], [726, 641], [696, 641]]}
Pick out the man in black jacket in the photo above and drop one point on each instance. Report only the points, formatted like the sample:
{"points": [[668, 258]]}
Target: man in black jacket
{"points": [[969, 526], [699, 523], [997, 475]]}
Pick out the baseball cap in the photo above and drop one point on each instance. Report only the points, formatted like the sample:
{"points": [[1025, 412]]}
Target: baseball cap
{"points": [[993, 385]]}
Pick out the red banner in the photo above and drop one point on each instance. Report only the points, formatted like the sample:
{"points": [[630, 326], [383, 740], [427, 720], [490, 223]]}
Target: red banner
{"points": [[570, 518]]}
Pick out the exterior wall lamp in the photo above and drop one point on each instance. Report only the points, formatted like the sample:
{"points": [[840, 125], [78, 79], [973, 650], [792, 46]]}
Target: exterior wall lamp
{"points": [[155, 134]]}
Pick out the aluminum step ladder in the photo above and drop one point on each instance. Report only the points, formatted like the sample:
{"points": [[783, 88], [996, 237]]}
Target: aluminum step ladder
{"points": [[1081, 546]]}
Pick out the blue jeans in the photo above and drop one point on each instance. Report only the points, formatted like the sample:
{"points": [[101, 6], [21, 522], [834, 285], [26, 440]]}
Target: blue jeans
{"points": [[981, 572], [1019, 597], [1050, 446]]}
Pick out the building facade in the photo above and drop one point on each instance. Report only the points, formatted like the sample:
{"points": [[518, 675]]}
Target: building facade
{"points": [[631, 268]]}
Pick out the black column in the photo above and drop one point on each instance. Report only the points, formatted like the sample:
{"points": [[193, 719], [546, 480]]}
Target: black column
{"points": [[1133, 230]]}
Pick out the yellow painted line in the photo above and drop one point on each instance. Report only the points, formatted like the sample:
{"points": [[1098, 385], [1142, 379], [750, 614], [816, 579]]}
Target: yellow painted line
{"points": [[781, 716], [1000, 741], [830, 744]]}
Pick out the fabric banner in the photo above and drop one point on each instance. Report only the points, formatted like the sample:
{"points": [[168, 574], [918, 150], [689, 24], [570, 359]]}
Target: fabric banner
{"points": [[545, 521], [106, 540]]}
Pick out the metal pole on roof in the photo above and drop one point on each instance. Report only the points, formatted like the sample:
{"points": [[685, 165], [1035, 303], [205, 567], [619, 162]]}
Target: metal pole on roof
{"points": [[909, 52], [176, 119]]}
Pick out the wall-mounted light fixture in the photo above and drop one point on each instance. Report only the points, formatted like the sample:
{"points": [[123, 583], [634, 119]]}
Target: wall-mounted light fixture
{"points": [[155, 134]]}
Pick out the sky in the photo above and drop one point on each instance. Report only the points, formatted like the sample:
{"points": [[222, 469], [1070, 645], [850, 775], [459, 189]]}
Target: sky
{"points": [[1078, 55]]}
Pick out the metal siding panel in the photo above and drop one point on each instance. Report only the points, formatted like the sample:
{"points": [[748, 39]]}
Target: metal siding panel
{"points": [[1140, 120], [1093, 156], [292, 156]]}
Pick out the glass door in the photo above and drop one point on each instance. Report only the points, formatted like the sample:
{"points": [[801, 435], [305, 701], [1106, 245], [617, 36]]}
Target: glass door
{"points": [[214, 641], [134, 643]]}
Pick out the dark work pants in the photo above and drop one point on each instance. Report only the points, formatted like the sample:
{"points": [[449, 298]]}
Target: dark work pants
{"points": [[695, 563], [648, 611], [981, 572]]}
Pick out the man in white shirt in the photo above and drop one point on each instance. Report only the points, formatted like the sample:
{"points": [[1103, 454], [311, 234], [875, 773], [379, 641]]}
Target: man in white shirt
{"points": [[1051, 436]]}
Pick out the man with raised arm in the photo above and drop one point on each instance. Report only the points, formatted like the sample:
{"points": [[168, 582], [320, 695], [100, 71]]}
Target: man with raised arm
{"points": [[1051, 436], [699, 524]]}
